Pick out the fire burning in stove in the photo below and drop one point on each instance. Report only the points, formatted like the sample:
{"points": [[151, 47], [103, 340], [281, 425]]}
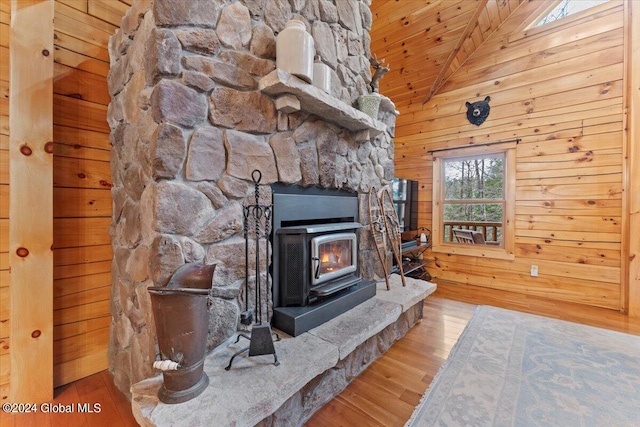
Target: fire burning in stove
{"points": [[315, 264], [333, 256]]}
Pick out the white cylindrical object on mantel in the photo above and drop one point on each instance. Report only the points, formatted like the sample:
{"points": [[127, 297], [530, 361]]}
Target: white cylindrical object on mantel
{"points": [[322, 76], [295, 50]]}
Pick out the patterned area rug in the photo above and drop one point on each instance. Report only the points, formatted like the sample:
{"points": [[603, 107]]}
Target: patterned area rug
{"points": [[517, 369]]}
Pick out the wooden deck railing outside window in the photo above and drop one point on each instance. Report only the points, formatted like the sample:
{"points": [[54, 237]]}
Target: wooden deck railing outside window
{"points": [[492, 231]]}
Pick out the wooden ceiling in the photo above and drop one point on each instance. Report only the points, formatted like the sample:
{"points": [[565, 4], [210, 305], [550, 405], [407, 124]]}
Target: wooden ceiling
{"points": [[426, 41]]}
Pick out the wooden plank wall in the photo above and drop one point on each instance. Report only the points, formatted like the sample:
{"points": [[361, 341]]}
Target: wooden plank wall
{"points": [[31, 178], [5, 21], [560, 91], [82, 200], [82, 182], [632, 12]]}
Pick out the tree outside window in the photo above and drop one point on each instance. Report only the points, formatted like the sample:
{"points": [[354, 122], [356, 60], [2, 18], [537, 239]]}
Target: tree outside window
{"points": [[474, 189], [474, 196]]}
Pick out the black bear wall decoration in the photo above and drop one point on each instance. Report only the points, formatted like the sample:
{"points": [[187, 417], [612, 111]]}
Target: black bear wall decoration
{"points": [[478, 112]]}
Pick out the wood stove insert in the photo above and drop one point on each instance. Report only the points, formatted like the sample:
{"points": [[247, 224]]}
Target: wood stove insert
{"points": [[315, 259]]}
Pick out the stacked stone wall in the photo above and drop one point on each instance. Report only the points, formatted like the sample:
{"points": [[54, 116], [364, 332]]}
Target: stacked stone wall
{"points": [[189, 125]]}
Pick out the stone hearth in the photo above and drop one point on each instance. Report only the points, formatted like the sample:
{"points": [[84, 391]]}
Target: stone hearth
{"points": [[315, 367], [189, 124]]}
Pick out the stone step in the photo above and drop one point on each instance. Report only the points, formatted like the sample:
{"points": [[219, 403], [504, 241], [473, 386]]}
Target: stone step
{"points": [[314, 367]]}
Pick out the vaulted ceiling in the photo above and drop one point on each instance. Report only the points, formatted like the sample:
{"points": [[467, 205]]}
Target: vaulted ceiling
{"points": [[426, 41]]}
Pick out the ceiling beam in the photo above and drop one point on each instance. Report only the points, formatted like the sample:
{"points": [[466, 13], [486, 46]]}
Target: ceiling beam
{"points": [[471, 25]]}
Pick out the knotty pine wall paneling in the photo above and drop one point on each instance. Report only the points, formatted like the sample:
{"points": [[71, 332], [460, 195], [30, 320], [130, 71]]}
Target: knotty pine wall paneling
{"points": [[417, 39], [82, 182], [632, 23], [561, 91], [31, 177], [5, 22]]}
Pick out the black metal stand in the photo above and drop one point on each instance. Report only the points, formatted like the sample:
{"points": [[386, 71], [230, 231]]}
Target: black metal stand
{"points": [[261, 337]]}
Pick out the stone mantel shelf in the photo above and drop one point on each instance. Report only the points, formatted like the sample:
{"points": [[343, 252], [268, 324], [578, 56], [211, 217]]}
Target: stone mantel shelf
{"points": [[293, 94]]}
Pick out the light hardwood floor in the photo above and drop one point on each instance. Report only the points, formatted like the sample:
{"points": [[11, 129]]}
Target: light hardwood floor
{"points": [[115, 409], [387, 392], [383, 395]]}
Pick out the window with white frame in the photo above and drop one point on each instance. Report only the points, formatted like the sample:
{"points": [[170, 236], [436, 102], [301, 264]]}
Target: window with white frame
{"points": [[473, 201], [566, 8]]}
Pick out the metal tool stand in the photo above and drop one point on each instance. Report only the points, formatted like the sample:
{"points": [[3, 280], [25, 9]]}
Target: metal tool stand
{"points": [[261, 337]]}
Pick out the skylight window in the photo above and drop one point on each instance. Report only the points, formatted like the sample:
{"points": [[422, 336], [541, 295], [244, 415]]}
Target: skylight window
{"points": [[568, 7]]}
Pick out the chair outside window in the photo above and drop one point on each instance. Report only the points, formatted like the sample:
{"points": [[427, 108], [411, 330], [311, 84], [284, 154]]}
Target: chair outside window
{"points": [[471, 237]]}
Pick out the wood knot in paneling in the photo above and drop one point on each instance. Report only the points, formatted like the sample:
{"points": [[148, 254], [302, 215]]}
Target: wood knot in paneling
{"points": [[25, 150], [22, 252]]}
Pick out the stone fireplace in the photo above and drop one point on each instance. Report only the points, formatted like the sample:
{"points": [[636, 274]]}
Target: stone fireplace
{"points": [[190, 123]]}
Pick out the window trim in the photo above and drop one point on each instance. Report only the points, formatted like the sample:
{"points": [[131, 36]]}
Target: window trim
{"points": [[529, 30], [507, 251]]}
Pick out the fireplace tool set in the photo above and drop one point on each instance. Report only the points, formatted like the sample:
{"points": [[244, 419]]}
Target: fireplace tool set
{"points": [[385, 227], [257, 220]]}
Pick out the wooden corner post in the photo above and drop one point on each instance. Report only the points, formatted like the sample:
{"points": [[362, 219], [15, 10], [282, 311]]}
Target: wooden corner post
{"points": [[31, 200]]}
